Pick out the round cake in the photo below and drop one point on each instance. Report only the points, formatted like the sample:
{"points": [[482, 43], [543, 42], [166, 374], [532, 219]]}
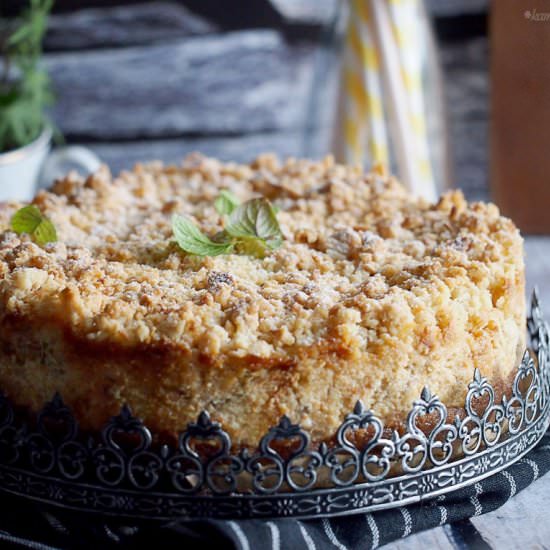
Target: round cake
{"points": [[372, 295]]}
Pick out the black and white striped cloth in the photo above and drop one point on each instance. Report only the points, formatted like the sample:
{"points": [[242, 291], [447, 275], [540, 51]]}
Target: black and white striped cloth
{"points": [[25, 526]]}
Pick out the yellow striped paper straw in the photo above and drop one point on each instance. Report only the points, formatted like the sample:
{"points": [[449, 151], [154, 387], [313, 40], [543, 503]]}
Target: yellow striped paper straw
{"points": [[376, 124], [382, 69], [396, 101], [361, 116], [350, 140], [408, 35]]}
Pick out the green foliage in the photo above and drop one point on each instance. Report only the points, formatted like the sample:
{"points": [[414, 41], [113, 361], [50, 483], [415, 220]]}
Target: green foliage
{"points": [[252, 229], [25, 89], [226, 202], [193, 241], [255, 224], [30, 220]]}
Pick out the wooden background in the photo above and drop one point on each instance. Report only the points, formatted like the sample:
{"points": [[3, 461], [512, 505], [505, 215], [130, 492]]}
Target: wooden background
{"points": [[137, 81], [157, 80]]}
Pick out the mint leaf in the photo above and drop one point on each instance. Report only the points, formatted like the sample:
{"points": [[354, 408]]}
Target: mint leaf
{"points": [[226, 202], [255, 219], [191, 239], [30, 220], [26, 219], [251, 246], [45, 232], [252, 229]]}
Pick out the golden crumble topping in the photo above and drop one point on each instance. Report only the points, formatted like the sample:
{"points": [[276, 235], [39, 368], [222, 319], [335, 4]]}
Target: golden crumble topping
{"points": [[353, 242]]}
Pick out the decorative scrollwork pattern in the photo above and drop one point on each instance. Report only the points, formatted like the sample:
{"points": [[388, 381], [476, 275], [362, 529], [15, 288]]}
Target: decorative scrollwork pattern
{"points": [[367, 466]]}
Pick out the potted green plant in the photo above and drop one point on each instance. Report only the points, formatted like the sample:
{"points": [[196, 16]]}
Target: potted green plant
{"points": [[25, 95]]}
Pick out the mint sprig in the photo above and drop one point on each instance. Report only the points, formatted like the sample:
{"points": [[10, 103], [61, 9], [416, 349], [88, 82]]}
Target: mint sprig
{"points": [[252, 229], [30, 220], [226, 202], [193, 241], [255, 219]]}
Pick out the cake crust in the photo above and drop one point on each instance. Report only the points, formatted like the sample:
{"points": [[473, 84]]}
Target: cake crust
{"points": [[373, 295]]}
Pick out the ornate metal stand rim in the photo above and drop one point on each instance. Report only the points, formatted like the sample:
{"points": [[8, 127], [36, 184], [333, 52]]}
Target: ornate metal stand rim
{"points": [[318, 503], [120, 472]]}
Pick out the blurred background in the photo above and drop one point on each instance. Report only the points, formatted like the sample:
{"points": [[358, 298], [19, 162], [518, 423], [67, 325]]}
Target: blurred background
{"points": [[136, 81], [143, 80]]}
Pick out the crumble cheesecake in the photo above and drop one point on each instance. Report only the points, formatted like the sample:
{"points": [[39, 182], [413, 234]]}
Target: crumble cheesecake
{"points": [[372, 295]]}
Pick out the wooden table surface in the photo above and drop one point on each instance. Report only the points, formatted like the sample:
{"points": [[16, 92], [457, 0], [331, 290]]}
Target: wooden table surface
{"points": [[151, 81]]}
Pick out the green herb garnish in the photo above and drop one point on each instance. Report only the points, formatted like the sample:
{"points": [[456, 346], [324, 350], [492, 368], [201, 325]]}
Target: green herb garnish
{"points": [[252, 229], [256, 220], [30, 220], [226, 202], [193, 241]]}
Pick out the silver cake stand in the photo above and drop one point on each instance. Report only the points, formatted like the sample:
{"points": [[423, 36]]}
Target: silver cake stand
{"points": [[123, 472]]}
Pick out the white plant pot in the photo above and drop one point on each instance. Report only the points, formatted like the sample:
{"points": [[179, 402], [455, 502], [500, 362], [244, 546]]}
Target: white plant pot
{"points": [[23, 171]]}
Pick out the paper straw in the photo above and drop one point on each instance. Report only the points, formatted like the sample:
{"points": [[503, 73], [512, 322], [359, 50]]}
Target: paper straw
{"points": [[349, 142], [382, 67], [411, 48], [354, 106], [361, 118], [377, 134], [397, 104]]}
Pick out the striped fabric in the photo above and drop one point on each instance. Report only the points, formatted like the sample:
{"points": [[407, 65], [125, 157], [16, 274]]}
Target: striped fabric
{"points": [[25, 526]]}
